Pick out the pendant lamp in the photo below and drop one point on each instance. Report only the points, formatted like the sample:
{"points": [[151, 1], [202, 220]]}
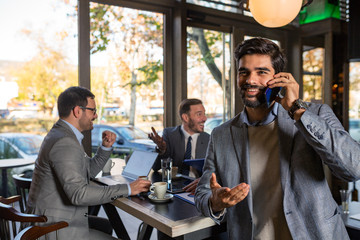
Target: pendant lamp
{"points": [[274, 13]]}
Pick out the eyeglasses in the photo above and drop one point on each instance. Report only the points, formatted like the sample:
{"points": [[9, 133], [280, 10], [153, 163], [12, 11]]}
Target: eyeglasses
{"points": [[91, 109]]}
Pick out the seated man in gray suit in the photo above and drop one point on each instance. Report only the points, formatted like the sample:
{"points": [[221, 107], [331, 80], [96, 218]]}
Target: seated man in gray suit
{"points": [[264, 168], [61, 188], [175, 142]]}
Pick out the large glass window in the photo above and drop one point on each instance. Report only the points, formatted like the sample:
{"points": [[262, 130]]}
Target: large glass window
{"points": [[354, 98], [313, 60], [127, 65], [208, 74], [38, 60]]}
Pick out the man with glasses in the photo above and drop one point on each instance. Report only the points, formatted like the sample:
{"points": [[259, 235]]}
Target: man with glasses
{"points": [[61, 187]]}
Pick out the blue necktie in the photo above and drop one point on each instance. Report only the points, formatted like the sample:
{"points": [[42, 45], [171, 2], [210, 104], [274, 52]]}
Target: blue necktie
{"points": [[188, 149]]}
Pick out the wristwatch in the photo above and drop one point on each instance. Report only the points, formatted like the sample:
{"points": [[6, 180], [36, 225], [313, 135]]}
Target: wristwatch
{"points": [[298, 104]]}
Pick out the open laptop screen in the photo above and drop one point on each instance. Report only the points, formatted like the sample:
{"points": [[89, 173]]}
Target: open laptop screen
{"points": [[139, 164]]}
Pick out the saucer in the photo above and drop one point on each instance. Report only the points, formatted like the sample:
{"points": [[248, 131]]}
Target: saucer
{"points": [[166, 198]]}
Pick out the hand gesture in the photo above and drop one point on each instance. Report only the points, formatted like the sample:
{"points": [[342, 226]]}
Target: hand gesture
{"points": [[287, 81], [108, 138], [159, 141], [139, 185], [191, 187], [224, 197]]}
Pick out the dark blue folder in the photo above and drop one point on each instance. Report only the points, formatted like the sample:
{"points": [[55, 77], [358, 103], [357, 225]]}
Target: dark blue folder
{"points": [[198, 164]]}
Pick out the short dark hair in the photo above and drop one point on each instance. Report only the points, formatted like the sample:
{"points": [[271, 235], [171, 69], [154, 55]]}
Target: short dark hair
{"points": [[72, 97], [185, 104], [262, 46]]}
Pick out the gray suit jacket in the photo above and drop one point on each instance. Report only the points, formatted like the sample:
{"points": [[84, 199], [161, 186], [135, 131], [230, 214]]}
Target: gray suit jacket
{"points": [[175, 148], [61, 188], [309, 208]]}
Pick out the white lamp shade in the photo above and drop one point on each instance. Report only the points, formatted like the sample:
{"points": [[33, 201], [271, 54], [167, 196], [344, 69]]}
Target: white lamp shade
{"points": [[274, 13]]}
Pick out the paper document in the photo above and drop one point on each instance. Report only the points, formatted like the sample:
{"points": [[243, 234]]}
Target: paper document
{"points": [[356, 216], [188, 197]]}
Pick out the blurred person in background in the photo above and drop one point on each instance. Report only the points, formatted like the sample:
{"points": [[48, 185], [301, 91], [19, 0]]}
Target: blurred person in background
{"points": [[175, 143]]}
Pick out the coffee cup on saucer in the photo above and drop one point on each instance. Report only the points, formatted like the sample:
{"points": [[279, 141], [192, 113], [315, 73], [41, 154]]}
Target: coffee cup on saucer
{"points": [[158, 189]]}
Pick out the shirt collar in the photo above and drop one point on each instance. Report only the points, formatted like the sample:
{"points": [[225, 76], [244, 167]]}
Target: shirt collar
{"points": [[186, 134], [79, 136], [268, 119]]}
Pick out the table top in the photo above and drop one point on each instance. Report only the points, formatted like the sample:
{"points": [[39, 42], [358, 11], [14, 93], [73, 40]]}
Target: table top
{"points": [[174, 218], [354, 208], [15, 162]]}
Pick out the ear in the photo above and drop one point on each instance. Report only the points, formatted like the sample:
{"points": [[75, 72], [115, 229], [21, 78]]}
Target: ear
{"points": [[185, 117], [77, 111]]}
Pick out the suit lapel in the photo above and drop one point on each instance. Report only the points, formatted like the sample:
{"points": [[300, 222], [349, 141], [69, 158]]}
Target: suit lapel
{"points": [[200, 145], [286, 130], [239, 136], [70, 132]]}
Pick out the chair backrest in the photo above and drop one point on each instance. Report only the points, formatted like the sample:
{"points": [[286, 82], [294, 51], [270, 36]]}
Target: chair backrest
{"points": [[22, 188], [9, 215], [10, 200], [34, 232]]}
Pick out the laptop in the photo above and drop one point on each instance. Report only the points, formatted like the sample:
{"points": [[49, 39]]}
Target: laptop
{"points": [[139, 164]]}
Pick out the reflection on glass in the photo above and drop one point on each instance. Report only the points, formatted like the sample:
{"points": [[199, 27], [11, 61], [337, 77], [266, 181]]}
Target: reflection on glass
{"points": [[208, 71], [312, 75], [132, 133], [354, 101], [127, 65]]}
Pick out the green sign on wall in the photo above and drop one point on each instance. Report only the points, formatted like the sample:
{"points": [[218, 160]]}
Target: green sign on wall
{"points": [[319, 10]]}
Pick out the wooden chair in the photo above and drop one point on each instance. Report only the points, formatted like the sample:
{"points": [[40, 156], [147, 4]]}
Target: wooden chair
{"points": [[34, 232], [10, 214], [10, 200], [22, 188]]}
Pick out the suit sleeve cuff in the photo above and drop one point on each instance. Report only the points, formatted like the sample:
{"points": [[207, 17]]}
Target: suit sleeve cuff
{"points": [[129, 189], [106, 148], [217, 215]]}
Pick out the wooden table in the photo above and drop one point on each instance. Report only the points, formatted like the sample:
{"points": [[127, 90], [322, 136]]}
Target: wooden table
{"points": [[352, 225], [176, 218], [11, 163]]}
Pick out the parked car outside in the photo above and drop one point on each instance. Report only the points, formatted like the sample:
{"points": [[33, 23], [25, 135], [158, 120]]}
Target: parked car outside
{"points": [[211, 123], [128, 139], [20, 145], [354, 129]]}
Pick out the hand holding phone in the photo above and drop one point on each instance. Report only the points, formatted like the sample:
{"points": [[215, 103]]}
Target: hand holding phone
{"points": [[272, 93]]}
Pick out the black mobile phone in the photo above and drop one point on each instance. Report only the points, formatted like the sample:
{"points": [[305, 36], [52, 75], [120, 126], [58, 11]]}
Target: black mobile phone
{"points": [[272, 93]]}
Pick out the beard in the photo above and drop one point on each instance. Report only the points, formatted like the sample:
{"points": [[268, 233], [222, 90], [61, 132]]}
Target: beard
{"points": [[191, 126], [253, 101]]}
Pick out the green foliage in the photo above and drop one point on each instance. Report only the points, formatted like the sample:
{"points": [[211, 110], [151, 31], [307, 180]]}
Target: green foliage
{"points": [[99, 27], [151, 72]]}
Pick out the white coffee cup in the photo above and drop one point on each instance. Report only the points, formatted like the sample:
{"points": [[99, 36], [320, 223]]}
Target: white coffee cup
{"points": [[108, 166], [159, 189]]}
